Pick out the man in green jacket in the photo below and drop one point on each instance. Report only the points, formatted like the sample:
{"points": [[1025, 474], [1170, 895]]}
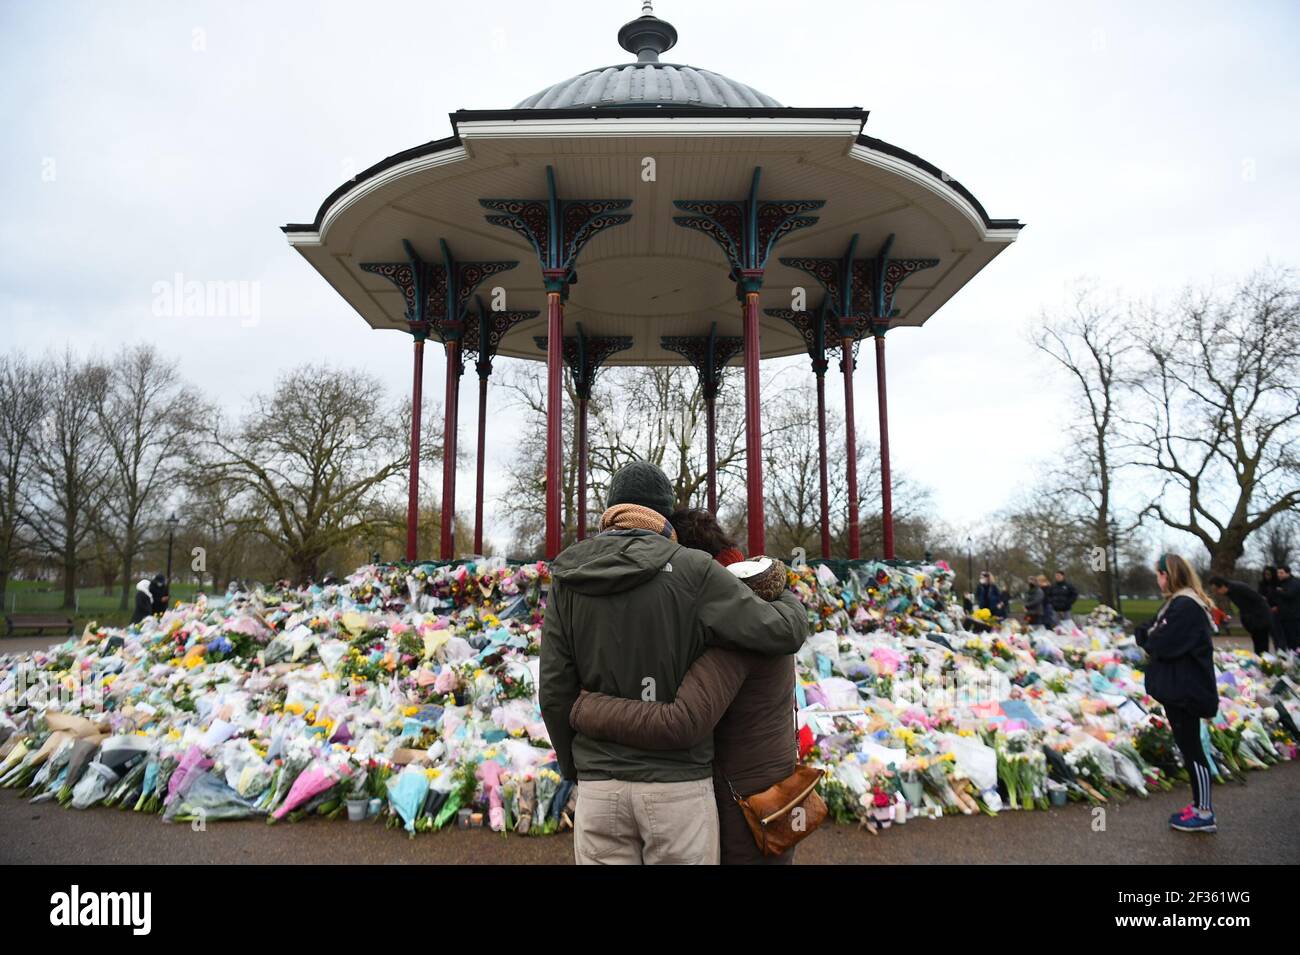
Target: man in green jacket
{"points": [[629, 610]]}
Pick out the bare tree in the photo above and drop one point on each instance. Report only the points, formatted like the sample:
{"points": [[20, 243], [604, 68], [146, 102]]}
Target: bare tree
{"points": [[792, 478], [147, 418], [524, 502], [68, 481], [1221, 390], [218, 520], [1277, 540], [317, 460], [654, 414], [1091, 342], [22, 406], [792, 483], [657, 414]]}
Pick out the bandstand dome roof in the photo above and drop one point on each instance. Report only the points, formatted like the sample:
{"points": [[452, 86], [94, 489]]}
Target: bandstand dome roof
{"points": [[651, 278], [647, 84]]}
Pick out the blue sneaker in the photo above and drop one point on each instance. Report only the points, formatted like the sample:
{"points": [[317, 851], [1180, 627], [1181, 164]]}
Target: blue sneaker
{"points": [[1193, 822]]}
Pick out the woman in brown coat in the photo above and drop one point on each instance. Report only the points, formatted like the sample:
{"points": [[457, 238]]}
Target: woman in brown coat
{"points": [[746, 701]]}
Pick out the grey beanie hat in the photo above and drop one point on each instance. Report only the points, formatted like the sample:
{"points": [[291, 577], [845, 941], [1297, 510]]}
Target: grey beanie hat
{"points": [[641, 482]]}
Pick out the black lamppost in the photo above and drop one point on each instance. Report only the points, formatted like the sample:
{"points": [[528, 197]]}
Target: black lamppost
{"points": [[172, 523], [970, 566], [1114, 567]]}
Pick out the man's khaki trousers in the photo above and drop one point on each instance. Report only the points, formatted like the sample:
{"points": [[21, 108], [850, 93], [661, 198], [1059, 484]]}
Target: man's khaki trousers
{"points": [[626, 823]]}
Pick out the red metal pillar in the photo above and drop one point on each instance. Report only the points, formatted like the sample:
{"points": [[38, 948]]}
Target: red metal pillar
{"points": [[754, 518], [413, 485], [886, 491], [581, 425], [851, 443], [554, 421], [450, 425], [822, 464], [711, 432], [482, 445]]}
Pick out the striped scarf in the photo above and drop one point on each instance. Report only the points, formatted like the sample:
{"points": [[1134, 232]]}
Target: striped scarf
{"points": [[634, 517]]}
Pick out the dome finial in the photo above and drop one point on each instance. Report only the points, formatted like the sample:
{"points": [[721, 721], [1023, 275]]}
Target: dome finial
{"points": [[647, 36]]}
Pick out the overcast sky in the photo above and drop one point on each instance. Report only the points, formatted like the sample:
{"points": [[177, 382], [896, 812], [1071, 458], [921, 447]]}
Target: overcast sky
{"points": [[1145, 145]]}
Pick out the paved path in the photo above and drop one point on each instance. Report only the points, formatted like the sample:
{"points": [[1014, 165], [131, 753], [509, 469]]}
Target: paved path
{"points": [[28, 643], [1257, 826]]}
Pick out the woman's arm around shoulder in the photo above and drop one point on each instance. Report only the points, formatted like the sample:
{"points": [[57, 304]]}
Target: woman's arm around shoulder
{"points": [[708, 688]]}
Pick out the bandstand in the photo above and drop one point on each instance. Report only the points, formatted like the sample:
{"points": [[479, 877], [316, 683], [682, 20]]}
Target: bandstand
{"points": [[709, 224]]}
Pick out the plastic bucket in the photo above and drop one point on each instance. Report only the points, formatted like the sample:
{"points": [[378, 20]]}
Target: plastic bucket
{"points": [[357, 809]]}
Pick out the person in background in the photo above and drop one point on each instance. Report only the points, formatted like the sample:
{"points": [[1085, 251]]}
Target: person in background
{"points": [[1287, 596], [1268, 590], [987, 595], [1002, 609], [1034, 601], [1048, 612], [744, 701], [160, 593], [1180, 676], [1268, 584], [143, 601], [705, 533], [1062, 595], [1252, 609]]}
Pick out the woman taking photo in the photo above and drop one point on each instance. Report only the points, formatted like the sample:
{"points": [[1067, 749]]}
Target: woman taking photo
{"points": [[746, 701], [1180, 676]]}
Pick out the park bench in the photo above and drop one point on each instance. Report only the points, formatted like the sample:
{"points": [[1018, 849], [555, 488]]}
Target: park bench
{"points": [[40, 622]]}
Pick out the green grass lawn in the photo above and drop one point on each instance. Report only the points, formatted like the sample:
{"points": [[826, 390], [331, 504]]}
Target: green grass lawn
{"points": [[1139, 611], [38, 596]]}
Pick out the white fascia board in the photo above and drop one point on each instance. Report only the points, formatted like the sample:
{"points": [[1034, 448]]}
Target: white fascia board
{"points": [[658, 126], [362, 189], [935, 185]]}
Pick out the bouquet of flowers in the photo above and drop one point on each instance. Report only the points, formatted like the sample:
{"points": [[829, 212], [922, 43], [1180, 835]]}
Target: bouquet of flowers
{"points": [[1022, 769], [1154, 741], [1088, 773], [935, 779]]}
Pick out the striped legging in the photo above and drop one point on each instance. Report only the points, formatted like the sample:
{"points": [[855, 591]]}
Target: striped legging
{"points": [[1187, 734]]}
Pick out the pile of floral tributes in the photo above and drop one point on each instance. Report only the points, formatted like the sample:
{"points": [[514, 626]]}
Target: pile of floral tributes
{"points": [[409, 695]]}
